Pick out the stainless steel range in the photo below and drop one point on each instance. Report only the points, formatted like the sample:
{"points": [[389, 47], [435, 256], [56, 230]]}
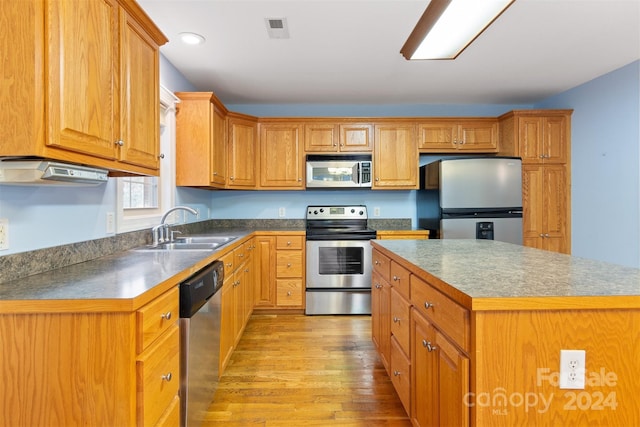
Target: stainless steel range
{"points": [[338, 260]]}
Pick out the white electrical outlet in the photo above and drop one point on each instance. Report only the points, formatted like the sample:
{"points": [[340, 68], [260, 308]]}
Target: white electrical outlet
{"points": [[376, 211], [572, 369], [111, 223], [282, 212], [4, 234]]}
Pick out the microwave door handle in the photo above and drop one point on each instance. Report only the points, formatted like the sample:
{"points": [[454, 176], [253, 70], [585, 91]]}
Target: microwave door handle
{"points": [[358, 174]]}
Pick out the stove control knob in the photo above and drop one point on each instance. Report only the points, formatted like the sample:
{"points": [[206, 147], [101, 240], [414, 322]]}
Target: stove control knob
{"points": [[321, 210], [353, 210], [315, 212], [361, 212]]}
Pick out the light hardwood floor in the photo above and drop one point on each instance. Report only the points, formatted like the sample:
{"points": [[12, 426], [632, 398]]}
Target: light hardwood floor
{"points": [[295, 370]]}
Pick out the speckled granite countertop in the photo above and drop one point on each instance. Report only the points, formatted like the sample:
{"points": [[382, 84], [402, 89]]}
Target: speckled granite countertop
{"points": [[484, 274], [122, 281]]}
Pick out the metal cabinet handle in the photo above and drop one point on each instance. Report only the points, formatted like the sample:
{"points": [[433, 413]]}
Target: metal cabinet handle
{"points": [[289, 243], [546, 235], [166, 316], [288, 293], [377, 179], [376, 262], [167, 377], [120, 143], [378, 285], [396, 319], [288, 264], [396, 278], [231, 178], [428, 345], [428, 305], [161, 156], [396, 373]]}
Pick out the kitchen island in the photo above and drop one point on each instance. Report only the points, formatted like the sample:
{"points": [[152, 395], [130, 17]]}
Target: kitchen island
{"points": [[471, 333]]}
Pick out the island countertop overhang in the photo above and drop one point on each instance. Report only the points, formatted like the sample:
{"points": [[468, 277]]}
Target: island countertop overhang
{"points": [[490, 275]]}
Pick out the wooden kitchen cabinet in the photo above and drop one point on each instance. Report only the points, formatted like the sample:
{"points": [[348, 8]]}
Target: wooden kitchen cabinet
{"points": [[542, 139], [94, 67], [201, 138], [242, 154], [440, 381], [458, 135], [381, 317], [334, 137], [395, 157], [402, 234], [91, 368], [281, 270], [545, 211], [236, 298], [282, 161]]}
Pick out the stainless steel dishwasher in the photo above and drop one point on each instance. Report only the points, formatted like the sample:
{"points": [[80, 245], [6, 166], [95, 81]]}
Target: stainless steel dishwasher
{"points": [[199, 342]]}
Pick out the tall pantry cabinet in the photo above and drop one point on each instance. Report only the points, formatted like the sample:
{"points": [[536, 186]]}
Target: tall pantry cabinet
{"points": [[542, 138]]}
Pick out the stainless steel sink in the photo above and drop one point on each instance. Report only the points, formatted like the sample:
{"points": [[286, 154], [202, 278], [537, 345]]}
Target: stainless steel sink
{"points": [[192, 243], [219, 240]]}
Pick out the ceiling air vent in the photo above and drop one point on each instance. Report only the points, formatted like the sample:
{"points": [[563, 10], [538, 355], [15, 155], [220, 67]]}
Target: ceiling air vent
{"points": [[277, 28]]}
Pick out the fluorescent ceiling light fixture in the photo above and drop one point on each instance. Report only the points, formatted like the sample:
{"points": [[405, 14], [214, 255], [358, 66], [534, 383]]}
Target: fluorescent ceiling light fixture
{"points": [[191, 38], [447, 27]]}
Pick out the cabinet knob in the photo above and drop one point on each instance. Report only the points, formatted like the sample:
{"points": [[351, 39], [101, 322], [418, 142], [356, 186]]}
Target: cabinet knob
{"points": [[541, 156], [396, 319], [288, 264], [167, 377], [396, 373], [377, 179], [546, 235], [288, 293], [428, 305], [166, 316], [120, 143], [376, 262], [396, 278], [161, 156], [215, 174], [378, 285], [288, 243], [231, 178]]}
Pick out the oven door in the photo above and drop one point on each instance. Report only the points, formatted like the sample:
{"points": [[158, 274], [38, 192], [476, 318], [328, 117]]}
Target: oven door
{"points": [[338, 264]]}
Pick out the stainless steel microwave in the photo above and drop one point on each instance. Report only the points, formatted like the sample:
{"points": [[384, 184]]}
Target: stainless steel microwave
{"points": [[335, 171]]}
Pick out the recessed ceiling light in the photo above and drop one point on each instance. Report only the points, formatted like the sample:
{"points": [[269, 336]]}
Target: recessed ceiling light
{"points": [[191, 38]]}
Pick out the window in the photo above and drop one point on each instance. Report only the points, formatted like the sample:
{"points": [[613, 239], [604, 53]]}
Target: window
{"points": [[141, 201]]}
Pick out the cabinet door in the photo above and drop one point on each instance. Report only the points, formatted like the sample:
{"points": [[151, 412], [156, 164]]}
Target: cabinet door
{"points": [[554, 142], [395, 157], [437, 137], [218, 147], [227, 333], [478, 137], [281, 156], [424, 394], [452, 383], [530, 139], [356, 137], [381, 317], [265, 271], [532, 205], [83, 71], [140, 120], [555, 201], [242, 153], [321, 137]]}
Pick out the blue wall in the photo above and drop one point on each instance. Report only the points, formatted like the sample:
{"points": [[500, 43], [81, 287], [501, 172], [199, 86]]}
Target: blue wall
{"points": [[605, 161], [605, 175]]}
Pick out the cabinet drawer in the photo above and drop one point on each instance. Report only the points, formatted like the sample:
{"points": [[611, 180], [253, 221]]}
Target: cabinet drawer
{"points": [[156, 317], [158, 372], [289, 242], [239, 255], [401, 374], [381, 264], [289, 292], [400, 279], [451, 318], [289, 264], [229, 263], [400, 324]]}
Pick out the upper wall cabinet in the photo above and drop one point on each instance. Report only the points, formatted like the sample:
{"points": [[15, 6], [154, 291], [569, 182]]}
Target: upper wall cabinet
{"points": [[332, 137], [456, 135], [201, 135], [395, 157], [93, 66], [242, 151], [281, 156]]}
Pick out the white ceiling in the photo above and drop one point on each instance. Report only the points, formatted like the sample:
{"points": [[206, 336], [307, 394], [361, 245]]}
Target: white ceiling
{"points": [[347, 52]]}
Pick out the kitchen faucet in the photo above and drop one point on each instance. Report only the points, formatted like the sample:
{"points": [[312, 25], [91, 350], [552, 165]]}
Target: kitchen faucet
{"points": [[161, 231]]}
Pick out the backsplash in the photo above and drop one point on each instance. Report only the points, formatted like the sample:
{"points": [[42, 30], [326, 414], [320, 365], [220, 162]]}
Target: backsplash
{"points": [[24, 264]]}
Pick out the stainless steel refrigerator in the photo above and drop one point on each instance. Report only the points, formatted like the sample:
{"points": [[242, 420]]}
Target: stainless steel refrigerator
{"points": [[472, 198]]}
